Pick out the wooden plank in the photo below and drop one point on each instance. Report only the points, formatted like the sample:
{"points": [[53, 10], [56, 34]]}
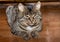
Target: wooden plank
{"points": [[30, 0], [50, 32], [50, 4]]}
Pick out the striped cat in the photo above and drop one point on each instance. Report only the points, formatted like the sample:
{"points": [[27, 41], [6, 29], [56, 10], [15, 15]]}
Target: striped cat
{"points": [[25, 20]]}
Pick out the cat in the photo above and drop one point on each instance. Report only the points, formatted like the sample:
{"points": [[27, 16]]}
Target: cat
{"points": [[25, 20]]}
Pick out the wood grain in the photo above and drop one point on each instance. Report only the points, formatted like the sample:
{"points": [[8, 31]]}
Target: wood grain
{"points": [[29, 0], [49, 33], [50, 4]]}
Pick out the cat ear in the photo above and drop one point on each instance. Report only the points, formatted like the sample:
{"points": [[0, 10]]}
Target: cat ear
{"points": [[37, 6], [21, 7]]}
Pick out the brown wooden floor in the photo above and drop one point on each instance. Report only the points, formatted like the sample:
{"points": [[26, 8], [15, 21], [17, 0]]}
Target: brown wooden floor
{"points": [[50, 32]]}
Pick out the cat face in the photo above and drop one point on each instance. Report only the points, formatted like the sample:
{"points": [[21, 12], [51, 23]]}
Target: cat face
{"points": [[29, 17]]}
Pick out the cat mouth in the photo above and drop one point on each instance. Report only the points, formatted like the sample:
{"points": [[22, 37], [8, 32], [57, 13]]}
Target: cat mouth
{"points": [[32, 24]]}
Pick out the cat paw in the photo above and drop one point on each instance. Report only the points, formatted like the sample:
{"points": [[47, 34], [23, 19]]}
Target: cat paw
{"points": [[18, 33], [25, 36], [34, 35]]}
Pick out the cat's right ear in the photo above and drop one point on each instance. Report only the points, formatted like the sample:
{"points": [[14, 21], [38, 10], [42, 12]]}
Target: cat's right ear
{"points": [[21, 7]]}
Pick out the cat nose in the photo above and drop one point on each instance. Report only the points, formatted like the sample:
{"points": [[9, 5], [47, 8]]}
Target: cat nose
{"points": [[32, 24], [31, 19]]}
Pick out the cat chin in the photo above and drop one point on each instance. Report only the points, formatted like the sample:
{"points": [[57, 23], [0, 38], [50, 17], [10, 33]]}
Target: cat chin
{"points": [[29, 28]]}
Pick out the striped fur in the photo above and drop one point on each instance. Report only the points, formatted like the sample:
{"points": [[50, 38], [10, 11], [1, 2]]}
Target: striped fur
{"points": [[25, 21]]}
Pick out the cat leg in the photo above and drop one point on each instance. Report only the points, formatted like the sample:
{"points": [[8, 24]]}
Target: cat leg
{"points": [[25, 35], [15, 32], [35, 34], [40, 27]]}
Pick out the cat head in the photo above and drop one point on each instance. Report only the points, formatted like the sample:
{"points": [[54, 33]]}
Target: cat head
{"points": [[31, 16]]}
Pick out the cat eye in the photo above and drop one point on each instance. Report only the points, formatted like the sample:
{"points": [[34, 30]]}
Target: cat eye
{"points": [[27, 16]]}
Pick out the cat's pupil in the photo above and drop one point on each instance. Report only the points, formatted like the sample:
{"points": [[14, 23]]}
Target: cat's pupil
{"points": [[27, 16]]}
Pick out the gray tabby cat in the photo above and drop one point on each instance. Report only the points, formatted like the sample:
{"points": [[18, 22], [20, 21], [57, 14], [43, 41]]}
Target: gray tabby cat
{"points": [[25, 20]]}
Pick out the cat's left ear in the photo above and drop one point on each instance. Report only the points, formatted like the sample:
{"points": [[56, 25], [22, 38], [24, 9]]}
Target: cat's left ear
{"points": [[37, 6]]}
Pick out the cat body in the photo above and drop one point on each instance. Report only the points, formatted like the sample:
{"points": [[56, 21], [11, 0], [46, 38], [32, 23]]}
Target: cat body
{"points": [[25, 20]]}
